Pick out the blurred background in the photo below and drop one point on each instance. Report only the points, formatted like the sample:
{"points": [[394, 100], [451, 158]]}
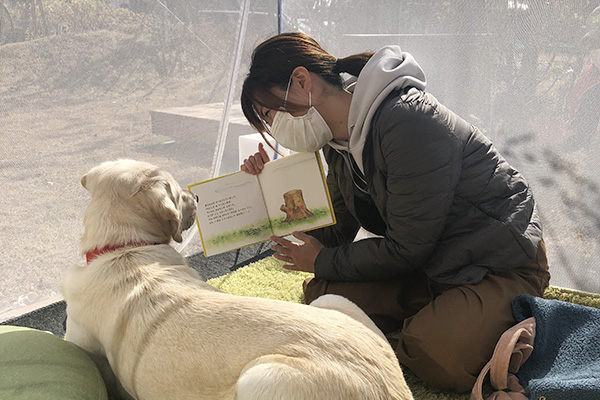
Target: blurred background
{"points": [[84, 81]]}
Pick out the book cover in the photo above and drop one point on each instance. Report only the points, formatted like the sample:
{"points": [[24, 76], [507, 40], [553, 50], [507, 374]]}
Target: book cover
{"points": [[239, 209]]}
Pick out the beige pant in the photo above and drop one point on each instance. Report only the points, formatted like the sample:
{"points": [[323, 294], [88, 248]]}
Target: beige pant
{"points": [[448, 332]]}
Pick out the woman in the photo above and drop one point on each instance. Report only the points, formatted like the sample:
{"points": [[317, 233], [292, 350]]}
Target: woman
{"points": [[458, 235]]}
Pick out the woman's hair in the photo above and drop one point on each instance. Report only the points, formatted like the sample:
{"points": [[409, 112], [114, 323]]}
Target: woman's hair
{"points": [[272, 64]]}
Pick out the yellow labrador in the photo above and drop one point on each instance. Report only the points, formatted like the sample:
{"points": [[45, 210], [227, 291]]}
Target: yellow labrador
{"points": [[166, 334]]}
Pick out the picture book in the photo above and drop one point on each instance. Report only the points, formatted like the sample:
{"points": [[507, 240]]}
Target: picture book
{"points": [[239, 209]]}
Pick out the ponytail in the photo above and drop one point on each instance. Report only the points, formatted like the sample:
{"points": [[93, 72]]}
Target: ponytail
{"points": [[352, 64]]}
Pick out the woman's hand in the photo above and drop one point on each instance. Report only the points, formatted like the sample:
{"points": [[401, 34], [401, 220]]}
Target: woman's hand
{"points": [[300, 256], [254, 164]]}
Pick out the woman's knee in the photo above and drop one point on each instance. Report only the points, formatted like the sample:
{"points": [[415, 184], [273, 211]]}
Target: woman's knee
{"points": [[313, 288], [439, 359]]}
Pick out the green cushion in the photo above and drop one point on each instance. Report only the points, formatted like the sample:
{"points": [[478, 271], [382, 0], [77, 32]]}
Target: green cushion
{"points": [[38, 365]]}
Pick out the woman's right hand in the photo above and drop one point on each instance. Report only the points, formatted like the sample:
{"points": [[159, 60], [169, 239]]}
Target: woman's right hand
{"points": [[254, 164]]}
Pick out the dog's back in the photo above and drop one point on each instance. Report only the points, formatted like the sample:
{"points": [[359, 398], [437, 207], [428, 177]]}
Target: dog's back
{"points": [[213, 345], [272, 350]]}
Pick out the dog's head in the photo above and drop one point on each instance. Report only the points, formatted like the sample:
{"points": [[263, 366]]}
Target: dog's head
{"points": [[134, 201]]}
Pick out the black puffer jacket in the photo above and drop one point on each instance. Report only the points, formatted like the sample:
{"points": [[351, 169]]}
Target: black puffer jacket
{"points": [[448, 202]]}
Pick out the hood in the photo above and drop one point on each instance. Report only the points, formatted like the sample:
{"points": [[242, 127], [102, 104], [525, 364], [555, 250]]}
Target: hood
{"points": [[387, 70]]}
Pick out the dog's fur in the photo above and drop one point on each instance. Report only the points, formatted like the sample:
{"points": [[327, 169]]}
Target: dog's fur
{"points": [[168, 335]]}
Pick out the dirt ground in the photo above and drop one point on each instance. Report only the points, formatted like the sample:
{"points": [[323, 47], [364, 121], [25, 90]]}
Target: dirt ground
{"points": [[68, 103]]}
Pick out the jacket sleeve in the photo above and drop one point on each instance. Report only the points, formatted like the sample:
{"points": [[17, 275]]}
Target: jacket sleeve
{"points": [[418, 157]]}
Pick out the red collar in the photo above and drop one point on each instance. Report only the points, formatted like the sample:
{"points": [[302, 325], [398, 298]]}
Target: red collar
{"points": [[90, 255]]}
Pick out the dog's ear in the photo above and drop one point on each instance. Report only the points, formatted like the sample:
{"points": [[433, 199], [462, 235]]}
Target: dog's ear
{"points": [[169, 212], [83, 181]]}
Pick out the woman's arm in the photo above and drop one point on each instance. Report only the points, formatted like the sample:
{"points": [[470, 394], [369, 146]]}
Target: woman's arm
{"points": [[422, 159]]}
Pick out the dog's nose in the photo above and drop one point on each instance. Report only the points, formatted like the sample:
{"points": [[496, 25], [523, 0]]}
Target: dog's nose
{"points": [[197, 198]]}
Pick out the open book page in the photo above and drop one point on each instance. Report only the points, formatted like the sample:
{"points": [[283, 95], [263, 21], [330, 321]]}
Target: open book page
{"points": [[231, 212], [296, 194]]}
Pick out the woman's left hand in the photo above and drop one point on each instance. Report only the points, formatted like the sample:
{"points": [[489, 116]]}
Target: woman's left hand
{"points": [[300, 256]]}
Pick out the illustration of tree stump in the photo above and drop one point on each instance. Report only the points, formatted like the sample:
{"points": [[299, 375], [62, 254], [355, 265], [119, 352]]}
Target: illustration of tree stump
{"points": [[295, 207]]}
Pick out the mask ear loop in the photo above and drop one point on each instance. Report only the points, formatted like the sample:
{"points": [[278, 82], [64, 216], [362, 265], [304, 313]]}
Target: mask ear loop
{"points": [[287, 92]]}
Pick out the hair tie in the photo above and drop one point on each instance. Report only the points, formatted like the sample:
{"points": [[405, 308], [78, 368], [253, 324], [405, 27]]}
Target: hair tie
{"points": [[336, 66]]}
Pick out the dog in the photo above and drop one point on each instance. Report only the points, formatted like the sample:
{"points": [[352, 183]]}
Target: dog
{"points": [[158, 331]]}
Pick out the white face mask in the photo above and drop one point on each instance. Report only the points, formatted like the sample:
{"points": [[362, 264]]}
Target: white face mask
{"points": [[306, 133]]}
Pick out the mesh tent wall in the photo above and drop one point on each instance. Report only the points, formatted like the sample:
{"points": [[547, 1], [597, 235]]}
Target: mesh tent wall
{"points": [[84, 81]]}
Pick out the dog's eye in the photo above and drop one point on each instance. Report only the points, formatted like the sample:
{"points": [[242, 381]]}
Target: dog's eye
{"points": [[197, 199]]}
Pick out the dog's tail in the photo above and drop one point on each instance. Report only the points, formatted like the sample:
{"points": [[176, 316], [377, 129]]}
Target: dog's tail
{"points": [[343, 305]]}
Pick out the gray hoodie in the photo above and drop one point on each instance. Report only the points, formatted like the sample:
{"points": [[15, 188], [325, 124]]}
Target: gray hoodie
{"points": [[388, 69]]}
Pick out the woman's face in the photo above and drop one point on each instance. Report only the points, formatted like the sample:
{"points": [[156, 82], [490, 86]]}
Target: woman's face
{"points": [[266, 114], [295, 96]]}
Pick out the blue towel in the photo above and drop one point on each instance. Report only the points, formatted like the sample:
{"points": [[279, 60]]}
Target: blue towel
{"points": [[565, 362]]}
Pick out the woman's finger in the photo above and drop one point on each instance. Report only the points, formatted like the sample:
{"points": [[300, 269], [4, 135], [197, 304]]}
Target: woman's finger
{"points": [[302, 236], [280, 241], [258, 162], [249, 166], [283, 258], [263, 153], [279, 249]]}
